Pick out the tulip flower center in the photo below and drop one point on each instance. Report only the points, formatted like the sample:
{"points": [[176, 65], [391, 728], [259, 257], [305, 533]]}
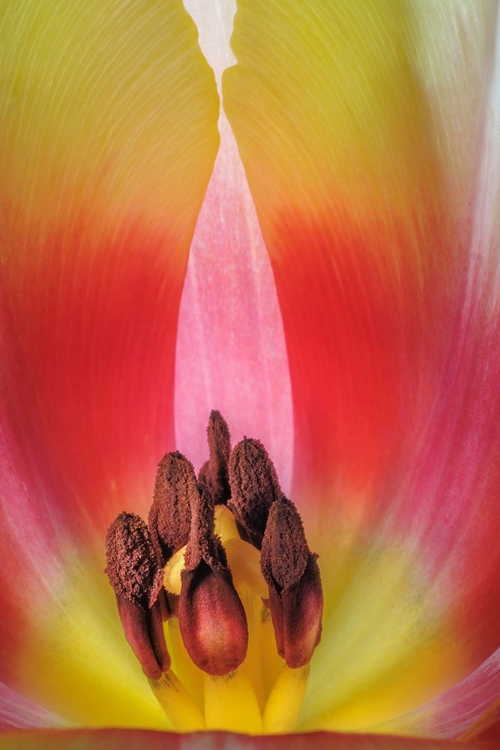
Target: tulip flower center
{"points": [[219, 595]]}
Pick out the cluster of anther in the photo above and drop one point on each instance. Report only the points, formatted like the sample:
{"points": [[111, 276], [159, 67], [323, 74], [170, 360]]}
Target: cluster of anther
{"points": [[211, 616]]}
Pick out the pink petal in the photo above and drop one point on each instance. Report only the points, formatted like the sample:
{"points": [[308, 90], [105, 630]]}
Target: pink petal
{"points": [[18, 713], [230, 349]]}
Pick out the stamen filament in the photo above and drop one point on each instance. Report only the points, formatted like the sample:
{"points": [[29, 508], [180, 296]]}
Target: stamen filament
{"points": [[177, 704], [244, 562], [272, 662], [285, 701], [252, 666], [225, 525], [173, 569], [187, 671], [231, 704]]}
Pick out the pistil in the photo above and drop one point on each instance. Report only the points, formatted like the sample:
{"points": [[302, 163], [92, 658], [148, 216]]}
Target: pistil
{"points": [[211, 615], [225, 563]]}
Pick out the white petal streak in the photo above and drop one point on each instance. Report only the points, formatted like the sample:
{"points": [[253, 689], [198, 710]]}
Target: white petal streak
{"points": [[454, 49], [485, 271], [461, 712], [18, 713], [215, 24]]}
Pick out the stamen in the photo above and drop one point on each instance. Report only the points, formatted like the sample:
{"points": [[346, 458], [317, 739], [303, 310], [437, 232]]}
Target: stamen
{"points": [[214, 473], [231, 705], [184, 667], [211, 616], [170, 514], [236, 604], [244, 562], [285, 701], [136, 577], [271, 661], [177, 703], [295, 593], [254, 488]]}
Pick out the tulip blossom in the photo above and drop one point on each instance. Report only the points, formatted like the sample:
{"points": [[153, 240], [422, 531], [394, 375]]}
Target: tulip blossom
{"points": [[297, 234]]}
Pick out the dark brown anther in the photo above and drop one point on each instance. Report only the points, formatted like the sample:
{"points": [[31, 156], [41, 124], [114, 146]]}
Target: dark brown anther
{"points": [[211, 616], [136, 577], [214, 472], [295, 594], [170, 514], [254, 488]]}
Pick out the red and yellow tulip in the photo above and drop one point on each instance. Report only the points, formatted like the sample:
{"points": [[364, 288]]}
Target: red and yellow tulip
{"points": [[342, 306]]}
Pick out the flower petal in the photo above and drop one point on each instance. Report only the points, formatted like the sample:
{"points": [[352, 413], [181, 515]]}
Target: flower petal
{"points": [[393, 352], [136, 740], [461, 712], [108, 114], [18, 713], [230, 348], [335, 136]]}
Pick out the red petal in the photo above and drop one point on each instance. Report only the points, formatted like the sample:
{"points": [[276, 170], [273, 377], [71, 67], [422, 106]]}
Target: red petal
{"points": [[106, 739], [108, 117], [105, 159]]}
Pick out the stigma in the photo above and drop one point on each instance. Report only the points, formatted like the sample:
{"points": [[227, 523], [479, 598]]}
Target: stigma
{"points": [[218, 593]]}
